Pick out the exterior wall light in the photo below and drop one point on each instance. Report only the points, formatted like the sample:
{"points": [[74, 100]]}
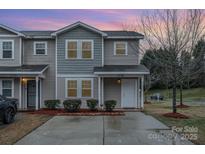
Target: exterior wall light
{"points": [[24, 80]]}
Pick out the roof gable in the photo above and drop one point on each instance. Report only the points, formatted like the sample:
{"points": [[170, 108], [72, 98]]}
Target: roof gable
{"points": [[11, 30], [76, 25]]}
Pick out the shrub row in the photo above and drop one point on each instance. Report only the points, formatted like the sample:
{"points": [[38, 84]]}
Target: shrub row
{"points": [[73, 105], [52, 104]]}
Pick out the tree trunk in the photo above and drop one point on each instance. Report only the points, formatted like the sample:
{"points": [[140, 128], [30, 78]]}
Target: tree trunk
{"points": [[174, 98], [188, 83], [181, 99]]}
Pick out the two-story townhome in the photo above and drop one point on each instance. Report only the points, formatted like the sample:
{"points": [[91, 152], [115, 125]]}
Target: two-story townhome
{"points": [[77, 61]]}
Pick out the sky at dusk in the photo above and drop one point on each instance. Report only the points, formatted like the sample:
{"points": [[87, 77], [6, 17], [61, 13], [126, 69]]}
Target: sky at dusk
{"points": [[55, 19]]}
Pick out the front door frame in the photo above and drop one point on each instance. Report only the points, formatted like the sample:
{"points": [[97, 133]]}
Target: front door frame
{"points": [[27, 93], [135, 94]]}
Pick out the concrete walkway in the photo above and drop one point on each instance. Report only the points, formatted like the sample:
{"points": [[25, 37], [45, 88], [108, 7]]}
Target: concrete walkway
{"points": [[135, 128]]}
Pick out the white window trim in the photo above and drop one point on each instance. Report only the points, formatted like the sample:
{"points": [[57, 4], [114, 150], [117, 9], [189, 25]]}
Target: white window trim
{"points": [[79, 87], [66, 87], [66, 48], [34, 48], [92, 48], [1, 49], [79, 48], [12, 90], [126, 51], [91, 87]]}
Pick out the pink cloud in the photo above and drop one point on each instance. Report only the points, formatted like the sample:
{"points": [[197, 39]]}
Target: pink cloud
{"points": [[37, 23], [113, 11], [54, 24], [104, 25], [43, 24], [115, 19]]}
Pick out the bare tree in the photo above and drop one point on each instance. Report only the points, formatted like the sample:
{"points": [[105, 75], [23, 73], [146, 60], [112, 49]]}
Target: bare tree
{"points": [[176, 32]]}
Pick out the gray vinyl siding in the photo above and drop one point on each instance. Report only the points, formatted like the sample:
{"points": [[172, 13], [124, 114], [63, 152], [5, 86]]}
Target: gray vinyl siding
{"points": [[66, 66], [131, 59], [112, 90], [48, 83], [17, 53], [5, 32], [61, 86]]}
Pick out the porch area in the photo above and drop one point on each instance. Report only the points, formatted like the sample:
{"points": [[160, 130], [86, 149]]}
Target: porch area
{"points": [[31, 91], [26, 85], [125, 84]]}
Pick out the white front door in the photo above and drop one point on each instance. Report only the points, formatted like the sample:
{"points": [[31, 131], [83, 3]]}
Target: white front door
{"points": [[128, 93]]}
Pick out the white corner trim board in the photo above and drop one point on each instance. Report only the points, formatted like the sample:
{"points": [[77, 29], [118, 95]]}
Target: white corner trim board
{"points": [[56, 84]]}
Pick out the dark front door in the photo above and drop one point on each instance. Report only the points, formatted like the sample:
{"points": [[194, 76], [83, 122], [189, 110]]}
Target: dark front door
{"points": [[31, 93]]}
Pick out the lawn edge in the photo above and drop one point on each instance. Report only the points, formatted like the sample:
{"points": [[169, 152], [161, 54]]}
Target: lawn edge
{"points": [[155, 116], [50, 117]]}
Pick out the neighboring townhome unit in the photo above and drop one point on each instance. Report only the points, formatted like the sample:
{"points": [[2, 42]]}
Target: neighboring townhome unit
{"points": [[77, 61]]}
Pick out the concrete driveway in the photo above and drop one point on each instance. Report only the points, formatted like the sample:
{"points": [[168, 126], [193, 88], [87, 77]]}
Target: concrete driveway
{"points": [[135, 128]]}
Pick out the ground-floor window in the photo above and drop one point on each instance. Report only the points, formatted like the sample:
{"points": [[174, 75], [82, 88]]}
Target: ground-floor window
{"points": [[86, 88], [72, 88], [79, 88], [7, 87]]}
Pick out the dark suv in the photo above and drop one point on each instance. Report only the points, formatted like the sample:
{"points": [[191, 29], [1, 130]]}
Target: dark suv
{"points": [[8, 109]]}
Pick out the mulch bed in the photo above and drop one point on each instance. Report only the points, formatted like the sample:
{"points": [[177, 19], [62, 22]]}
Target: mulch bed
{"points": [[176, 115], [81, 112], [182, 106]]}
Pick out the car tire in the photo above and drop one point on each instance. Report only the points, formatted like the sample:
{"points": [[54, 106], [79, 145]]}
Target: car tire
{"points": [[9, 115]]}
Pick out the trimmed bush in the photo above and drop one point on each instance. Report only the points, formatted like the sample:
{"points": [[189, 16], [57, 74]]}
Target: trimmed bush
{"points": [[72, 105], [110, 105], [52, 104], [92, 104]]}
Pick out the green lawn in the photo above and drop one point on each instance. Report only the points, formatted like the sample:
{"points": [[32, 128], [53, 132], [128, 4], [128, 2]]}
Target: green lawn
{"points": [[194, 96], [196, 111]]}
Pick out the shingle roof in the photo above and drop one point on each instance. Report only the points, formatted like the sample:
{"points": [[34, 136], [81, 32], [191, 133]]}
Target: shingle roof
{"points": [[109, 69], [123, 33], [109, 33], [22, 69], [37, 33], [11, 30]]}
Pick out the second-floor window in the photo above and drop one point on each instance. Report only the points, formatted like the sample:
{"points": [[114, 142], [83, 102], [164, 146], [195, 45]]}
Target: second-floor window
{"points": [[79, 49], [86, 49], [40, 48], [120, 48], [7, 49], [72, 49]]}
